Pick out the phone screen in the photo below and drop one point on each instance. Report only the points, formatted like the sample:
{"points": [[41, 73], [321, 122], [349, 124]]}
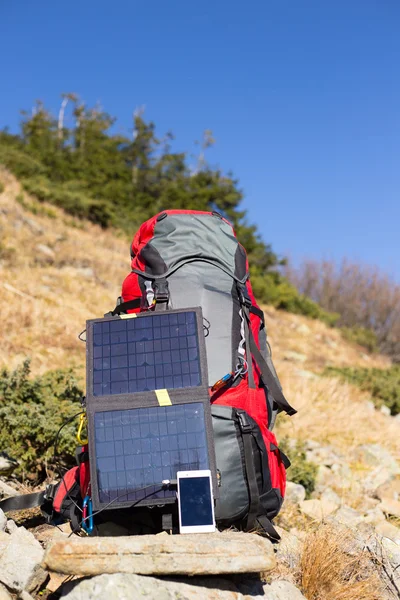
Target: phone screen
{"points": [[195, 501]]}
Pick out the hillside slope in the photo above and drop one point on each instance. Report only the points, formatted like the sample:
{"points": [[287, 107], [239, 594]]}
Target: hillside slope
{"points": [[56, 272]]}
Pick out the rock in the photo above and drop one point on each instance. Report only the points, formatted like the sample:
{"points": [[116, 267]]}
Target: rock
{"points": [[317, 509], [86, 272], [4, 594], [324, 455], [56, 580], [45, 250], [390, 507], [385, 410], [294, 356], [328, 495], [303, 328], [20, 562], [281, 590], [389, 531], [289, 549], [306, 374], [25, 596], [323, 477], [33, 226], [295, 493], [376, 456], [3, 521], [389, 489], [348, 516], [7, 490], [124, 586], [343, 475], [375, 479], [374, 516], [11, 526], [47, 533], [206, 554]]}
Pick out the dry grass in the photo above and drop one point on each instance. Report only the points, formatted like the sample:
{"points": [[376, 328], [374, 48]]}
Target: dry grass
{"points": [[332, 568], [338, 414], [45, 300]]}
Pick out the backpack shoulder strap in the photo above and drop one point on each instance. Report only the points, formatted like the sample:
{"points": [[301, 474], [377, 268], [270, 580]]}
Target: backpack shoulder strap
{"points": [[266, 373]]}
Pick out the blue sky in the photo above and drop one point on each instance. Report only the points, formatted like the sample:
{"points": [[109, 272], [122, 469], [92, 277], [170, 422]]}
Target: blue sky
{"points": [[303, 97]]}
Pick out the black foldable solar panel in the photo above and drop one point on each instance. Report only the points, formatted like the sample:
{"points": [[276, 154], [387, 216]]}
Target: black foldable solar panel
{"points": [[149, 352], [138, 448]]}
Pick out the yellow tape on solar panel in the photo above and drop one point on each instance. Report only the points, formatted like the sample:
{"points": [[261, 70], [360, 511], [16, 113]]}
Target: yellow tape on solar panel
{"points": [[163, 398]]}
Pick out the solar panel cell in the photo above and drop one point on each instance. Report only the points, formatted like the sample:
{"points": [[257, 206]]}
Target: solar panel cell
{"points": [[143, 446], [146, 353]]}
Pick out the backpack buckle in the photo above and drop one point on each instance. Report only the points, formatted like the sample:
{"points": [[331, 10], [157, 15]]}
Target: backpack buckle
{"points": [[243, 294], [50, 492], [244, 423], [161, 291]]}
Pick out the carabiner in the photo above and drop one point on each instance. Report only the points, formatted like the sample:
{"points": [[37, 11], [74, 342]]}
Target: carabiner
{"points": [[87, 515], [82, 424]]}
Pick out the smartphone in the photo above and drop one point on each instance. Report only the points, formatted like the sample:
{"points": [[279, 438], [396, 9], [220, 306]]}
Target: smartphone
{"points": [[195, 502]]}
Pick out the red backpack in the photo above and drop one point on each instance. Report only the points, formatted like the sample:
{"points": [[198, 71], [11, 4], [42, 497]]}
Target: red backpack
{"points": [[182, 259]]}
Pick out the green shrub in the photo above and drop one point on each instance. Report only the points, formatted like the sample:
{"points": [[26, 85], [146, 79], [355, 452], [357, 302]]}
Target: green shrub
{"points": [[20, 163], [362, 336], [383, 384], [31, 413], [2, 187], [301, 470], [74, 201]]}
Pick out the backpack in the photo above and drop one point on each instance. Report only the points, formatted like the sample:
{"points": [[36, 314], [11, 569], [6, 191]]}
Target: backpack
{"points": [[184, 259]]}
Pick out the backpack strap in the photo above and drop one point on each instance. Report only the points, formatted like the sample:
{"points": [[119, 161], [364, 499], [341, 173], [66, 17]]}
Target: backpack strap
{"points": [[25, 501], [254, 494], [267, 527], [253, 350], [124, 306], [254, 520]]}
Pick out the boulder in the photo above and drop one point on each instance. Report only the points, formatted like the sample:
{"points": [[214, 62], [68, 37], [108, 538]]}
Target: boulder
{"points": [[348, 516], [205, 554], [389, 531], [294, 356], [289, 549], [122, 586], [389, 489], [295, 493], [20, 561], [46, 251], [281, 590], [3, 521], [317, 510], [377, 456], [328, 495], [374, 516], [390, 507], [11, 526], [4, 593]]}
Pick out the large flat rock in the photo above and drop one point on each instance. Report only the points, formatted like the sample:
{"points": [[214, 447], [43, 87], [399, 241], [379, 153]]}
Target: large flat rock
{"points": [[123, 586], [194, 554]]}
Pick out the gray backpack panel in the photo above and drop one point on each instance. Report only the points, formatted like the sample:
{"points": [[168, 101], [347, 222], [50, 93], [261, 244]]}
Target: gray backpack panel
{"points": [[203, 284]]}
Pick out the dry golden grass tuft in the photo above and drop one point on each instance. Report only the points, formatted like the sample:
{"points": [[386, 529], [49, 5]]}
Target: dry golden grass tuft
{"points": [[335, 413], [332, 568]]}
